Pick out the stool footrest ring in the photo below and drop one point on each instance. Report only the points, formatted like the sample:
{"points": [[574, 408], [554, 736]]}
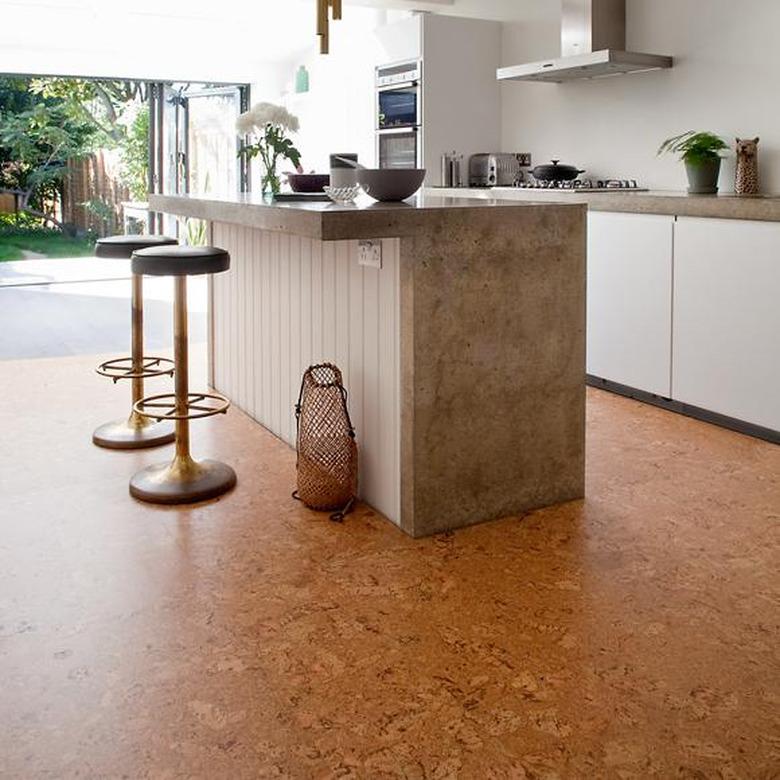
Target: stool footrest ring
{"points": [[125, 368], [165, 407]]}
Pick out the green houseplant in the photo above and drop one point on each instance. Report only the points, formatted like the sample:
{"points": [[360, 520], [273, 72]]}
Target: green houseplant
{"points": [[701, 153], [268, 125]]}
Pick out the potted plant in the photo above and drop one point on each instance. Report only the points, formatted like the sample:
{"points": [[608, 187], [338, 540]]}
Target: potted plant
{"points": [[269, 124], [701, 153]]}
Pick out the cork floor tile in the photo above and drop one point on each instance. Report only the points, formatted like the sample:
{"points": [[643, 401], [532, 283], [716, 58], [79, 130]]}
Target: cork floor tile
{"points": [[634, 634]]}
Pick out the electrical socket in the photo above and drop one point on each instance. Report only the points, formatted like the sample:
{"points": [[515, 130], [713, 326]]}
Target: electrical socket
{"points": [[524, 158], [370, 253]]}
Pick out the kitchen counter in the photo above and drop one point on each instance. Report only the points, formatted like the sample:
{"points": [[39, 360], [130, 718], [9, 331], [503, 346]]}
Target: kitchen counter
{"points": [[463, 348], [332, 222], [764, 208]]}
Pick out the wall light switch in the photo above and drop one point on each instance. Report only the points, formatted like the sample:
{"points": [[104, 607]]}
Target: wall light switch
{"points": [[370, 253]]}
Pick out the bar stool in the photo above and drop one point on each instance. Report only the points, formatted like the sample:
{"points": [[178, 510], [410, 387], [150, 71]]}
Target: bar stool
{"points": [[136, 431], [183, 480]]}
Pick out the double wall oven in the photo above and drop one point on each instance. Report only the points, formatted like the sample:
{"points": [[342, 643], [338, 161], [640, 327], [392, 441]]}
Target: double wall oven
{"points": [[399, 115]]}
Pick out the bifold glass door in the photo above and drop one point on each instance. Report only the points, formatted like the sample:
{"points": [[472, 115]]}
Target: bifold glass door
{"points": [[193, 141]]}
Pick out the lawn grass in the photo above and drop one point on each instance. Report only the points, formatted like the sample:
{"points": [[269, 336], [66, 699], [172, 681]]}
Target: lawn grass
{"points": [[49, 243], [9, 252]]}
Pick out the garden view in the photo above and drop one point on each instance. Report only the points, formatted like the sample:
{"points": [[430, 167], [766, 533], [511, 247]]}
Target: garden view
{"points": [[72, 153]]}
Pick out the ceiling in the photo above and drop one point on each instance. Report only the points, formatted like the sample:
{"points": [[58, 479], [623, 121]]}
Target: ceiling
{"points": [[501, 10], [192, 39]]}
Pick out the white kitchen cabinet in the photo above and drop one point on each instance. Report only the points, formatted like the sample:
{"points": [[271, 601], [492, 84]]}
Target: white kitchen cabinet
{"points": [[727, 318], [401, 40], [630, 299]]}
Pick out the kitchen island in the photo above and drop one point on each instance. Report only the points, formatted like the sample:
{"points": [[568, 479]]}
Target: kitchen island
{"points": [[459, 329]]}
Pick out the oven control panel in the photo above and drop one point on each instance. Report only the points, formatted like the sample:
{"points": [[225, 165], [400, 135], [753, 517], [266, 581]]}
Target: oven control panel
{"points": [[398, 73]]}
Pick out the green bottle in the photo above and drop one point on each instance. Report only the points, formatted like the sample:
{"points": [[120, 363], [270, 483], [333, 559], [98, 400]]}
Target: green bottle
{"points": [[302, 80]]}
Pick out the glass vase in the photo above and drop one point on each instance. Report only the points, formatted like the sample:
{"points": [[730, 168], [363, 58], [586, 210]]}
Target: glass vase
{"points": [[271, 184]]}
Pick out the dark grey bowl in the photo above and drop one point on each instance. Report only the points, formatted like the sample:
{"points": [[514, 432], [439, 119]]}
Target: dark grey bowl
{"points": [[390, 184], [308, 182]]}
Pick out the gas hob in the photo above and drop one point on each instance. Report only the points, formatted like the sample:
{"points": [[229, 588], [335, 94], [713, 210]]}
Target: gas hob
{"points": [[582, 185]]}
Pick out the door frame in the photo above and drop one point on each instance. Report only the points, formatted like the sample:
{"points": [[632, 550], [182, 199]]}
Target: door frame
{"points": [[156, 91]]}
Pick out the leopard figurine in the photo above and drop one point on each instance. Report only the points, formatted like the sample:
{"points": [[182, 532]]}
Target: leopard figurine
{"points": [[747, 167]]}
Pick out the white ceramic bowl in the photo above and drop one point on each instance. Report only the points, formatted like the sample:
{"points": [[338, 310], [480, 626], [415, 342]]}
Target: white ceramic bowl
{"points": [[390, 184]]}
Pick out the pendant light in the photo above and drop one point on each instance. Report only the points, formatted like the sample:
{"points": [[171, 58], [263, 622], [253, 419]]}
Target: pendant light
{"points": [[323, 21]]}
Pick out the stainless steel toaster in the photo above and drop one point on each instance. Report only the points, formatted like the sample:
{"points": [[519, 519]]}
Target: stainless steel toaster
{"points": [[496, 169]]}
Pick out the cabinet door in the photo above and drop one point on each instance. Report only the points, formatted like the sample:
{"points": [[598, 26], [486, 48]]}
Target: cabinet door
{"points": [[727, 318], [630, 299]]}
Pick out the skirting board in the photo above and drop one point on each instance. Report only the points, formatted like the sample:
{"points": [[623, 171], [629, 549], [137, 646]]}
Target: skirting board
{"points": [[740, 426]]}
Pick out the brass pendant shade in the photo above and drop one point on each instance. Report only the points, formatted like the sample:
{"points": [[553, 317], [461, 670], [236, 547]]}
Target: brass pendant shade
{"points": [[326, 8]]}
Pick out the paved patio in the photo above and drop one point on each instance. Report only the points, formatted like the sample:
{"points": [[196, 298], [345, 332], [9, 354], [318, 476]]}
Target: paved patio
{"points": [[80, 306]]}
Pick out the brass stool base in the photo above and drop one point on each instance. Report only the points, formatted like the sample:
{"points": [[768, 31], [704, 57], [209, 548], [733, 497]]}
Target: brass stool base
{"points": [[122, 435], [182, 481]]}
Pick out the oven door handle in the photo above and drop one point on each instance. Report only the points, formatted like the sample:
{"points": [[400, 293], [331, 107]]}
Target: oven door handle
{"points": [[398, 130], [401, 85]]}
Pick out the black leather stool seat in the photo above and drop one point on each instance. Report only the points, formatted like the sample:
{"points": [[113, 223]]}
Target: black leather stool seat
{"points": [[180, 261], [122, 247]]}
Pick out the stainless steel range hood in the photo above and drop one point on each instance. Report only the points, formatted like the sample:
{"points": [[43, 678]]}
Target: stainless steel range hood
{"points": [[593, 42]]}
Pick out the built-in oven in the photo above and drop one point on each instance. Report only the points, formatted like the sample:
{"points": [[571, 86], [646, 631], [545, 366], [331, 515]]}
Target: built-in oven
{"points": [[398, 148], [399, 115]]}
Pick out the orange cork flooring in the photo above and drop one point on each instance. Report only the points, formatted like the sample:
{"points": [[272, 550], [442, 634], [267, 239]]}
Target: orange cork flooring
{"points": [[631, 635]]}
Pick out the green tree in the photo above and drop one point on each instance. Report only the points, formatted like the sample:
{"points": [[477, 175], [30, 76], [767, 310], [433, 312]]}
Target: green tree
{"points": [[135, 155], [113, 108], [101, 103], [37, 137]]}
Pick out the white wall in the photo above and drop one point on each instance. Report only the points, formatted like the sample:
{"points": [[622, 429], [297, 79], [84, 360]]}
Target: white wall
{"points": [[725, 79], [337, 114]]}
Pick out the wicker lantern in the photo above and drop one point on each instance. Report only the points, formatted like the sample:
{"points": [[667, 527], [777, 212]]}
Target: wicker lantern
{"points": [[327, 461]]}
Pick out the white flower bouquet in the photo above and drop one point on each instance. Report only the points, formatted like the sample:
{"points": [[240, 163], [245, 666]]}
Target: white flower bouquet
{"points": [[269, 124]]}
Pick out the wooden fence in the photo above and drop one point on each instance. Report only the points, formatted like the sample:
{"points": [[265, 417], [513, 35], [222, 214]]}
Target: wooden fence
{"points": [[92, 194]]}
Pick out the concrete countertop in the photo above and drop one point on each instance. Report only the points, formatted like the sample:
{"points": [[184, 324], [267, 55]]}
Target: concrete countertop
{"points": [[764, 208], [367, 219]]}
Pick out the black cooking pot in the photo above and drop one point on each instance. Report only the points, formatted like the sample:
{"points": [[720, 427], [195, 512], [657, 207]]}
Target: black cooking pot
{"points": [[555, 172]]}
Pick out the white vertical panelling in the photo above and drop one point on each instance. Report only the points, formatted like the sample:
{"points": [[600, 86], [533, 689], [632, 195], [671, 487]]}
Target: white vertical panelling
{"points": [[218, 313], [316, 301], [306, 303], [295, 329], [257, 308], [234, 318], [355, 367], [371, 390], [265, 328], [328, 298], [246, 357], [251, 325], [288, 302], [341, 310], [285, 361], [240, 272]]}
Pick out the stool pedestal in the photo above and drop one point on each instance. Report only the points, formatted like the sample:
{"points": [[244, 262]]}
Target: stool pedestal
{"points": [[183, 480], [136, 431]]}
